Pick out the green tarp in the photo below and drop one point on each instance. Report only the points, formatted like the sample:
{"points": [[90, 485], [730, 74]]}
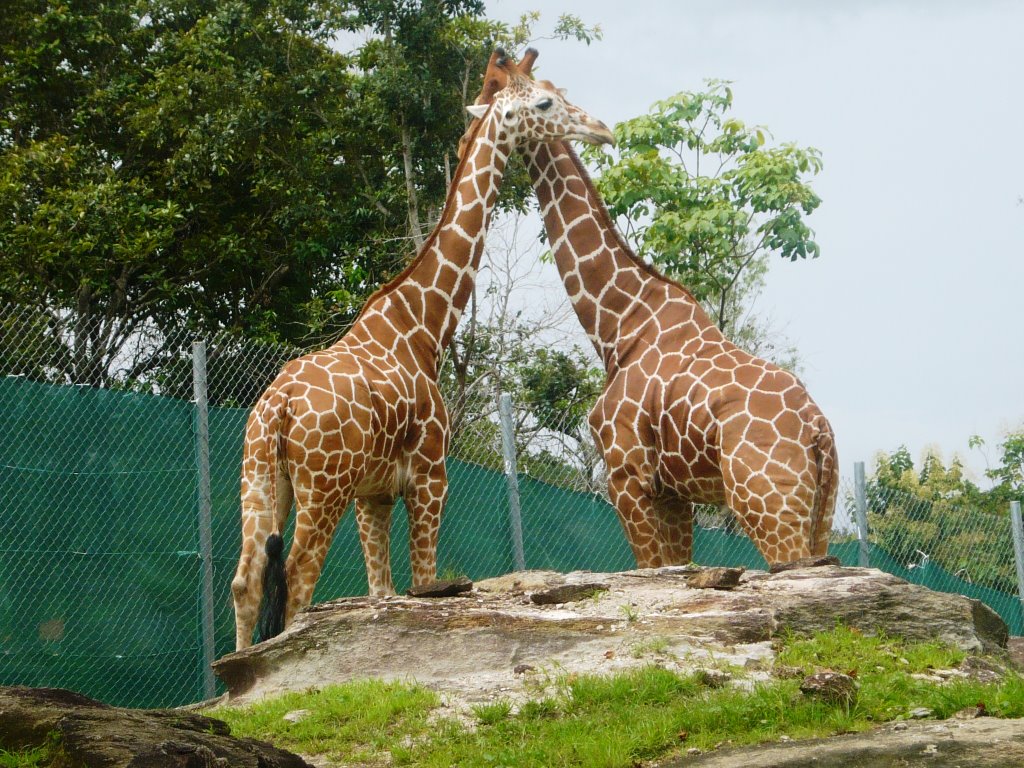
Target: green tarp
{"points": [[100, 574]]}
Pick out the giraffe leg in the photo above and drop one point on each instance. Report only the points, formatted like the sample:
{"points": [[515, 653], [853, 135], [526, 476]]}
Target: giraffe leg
{"points": [[778, 521], [314, 529], [247, 589], [675, 519], [425, 499], [373, 518], [257, 525], [635, 507]]}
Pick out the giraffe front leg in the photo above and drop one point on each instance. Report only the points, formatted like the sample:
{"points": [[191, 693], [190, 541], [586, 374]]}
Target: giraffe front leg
{"points": [[630, 462], [634, 504], [373, 518], [425, 499], [675, 519]]}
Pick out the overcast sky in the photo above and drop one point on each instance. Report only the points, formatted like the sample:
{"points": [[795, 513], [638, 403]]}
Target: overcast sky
{"points": [[910, 324]]}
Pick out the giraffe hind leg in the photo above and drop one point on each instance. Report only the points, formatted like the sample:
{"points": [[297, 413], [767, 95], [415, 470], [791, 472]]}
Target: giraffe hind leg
{"points": [[247, 584], [246, 593], [315, 523]]}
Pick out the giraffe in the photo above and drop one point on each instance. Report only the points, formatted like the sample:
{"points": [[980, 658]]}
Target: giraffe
{"points": [[363, 419], [685, 417]]}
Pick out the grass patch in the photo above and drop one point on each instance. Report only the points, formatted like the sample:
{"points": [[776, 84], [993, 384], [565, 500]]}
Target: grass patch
{"points": [[355, 722], [844, 649], [608, 722], [32, 758], [653, 645], [38, 757], [489, 714]]}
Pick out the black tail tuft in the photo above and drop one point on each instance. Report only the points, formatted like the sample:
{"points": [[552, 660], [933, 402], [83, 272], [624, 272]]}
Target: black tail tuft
{"points": [[275, 546], [275, 590]]}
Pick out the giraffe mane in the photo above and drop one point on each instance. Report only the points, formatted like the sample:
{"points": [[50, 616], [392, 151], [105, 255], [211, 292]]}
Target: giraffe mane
{"points": [[393, 283], [609, 223]]}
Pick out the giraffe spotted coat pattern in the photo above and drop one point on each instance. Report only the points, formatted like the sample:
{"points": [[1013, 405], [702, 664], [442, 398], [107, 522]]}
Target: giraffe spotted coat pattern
{"points": [[686, 417], [363, 420]]}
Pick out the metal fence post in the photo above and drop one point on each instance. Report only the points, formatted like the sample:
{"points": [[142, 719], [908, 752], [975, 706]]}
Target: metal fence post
{"points": [[508, 448], [1018, 546], [861, 511], [204, 503]]}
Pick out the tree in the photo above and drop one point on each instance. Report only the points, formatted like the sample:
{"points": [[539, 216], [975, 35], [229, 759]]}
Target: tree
{"points": [[705, 198], [1008, 474], [739, 321], [938, 512], [169, 164], [558, 388]]}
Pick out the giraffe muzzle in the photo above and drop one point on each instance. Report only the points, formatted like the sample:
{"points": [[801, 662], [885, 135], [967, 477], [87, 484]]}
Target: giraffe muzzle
{"points": [[593, 132]]}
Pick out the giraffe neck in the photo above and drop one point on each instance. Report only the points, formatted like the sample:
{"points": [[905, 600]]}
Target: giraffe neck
{"points": [[612, 291], [421, 307]]}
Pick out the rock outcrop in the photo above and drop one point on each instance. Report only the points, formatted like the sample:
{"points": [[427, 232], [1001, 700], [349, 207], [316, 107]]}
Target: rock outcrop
{"points": [[470, 645], [982, 743], [83, 733]]}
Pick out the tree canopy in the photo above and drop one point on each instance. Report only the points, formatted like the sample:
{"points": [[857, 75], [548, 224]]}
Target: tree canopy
{"points": [[259, 167], [937, 511], [707, 199]]}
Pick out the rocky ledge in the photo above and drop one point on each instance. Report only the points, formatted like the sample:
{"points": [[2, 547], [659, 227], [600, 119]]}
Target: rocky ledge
{"points": [[82, 733], [489, 640], [982, 743]]}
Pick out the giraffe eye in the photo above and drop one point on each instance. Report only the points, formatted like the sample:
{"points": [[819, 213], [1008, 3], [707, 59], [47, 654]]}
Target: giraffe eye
{"points": [[544, 105]]}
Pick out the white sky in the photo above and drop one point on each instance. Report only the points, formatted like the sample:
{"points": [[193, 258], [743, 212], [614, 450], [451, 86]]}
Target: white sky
{"points": [[909, 325]]}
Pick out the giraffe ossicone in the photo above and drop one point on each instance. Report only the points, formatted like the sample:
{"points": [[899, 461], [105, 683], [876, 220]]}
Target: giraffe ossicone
{"points": [[686, 416], [363, 420]]}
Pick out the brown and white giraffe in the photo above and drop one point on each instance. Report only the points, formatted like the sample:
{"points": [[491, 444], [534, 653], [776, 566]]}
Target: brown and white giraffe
{"points": [[686, 417], [364, 419]]}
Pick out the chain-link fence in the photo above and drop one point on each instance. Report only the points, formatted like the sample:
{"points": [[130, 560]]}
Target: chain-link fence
{"points": [[119, 496]]}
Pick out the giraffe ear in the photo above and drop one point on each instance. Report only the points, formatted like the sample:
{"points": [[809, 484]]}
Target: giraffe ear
{"points": [[477, 110]]}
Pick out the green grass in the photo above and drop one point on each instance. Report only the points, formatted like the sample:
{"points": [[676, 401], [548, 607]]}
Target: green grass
{"points": [[32, 758], [650, 646], [845, 649], [355, 722], [629, 613], [608, 722], [489, 714], [39, 757]]}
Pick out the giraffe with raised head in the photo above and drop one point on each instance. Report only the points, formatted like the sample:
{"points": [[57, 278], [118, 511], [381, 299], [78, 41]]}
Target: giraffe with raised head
{"points": [[686, 417], [364, 419]]}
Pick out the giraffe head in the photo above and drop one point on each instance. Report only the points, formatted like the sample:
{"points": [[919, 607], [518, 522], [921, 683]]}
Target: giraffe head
{"points": [[530, 110]]}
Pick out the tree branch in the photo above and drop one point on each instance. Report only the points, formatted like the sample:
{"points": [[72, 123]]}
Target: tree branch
{"points": [[410, 188]]}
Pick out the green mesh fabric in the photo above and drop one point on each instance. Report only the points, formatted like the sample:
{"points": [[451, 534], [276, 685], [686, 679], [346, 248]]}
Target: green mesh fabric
{"points": [[100, 573]]}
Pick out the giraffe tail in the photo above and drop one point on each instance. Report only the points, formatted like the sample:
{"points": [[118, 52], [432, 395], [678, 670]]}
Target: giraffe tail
{"points": [[275, 584], [275, 589], [827, 487]]}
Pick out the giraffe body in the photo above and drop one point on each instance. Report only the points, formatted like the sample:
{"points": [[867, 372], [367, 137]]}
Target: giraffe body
{"points": [[364, 420], [685, 417]]}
